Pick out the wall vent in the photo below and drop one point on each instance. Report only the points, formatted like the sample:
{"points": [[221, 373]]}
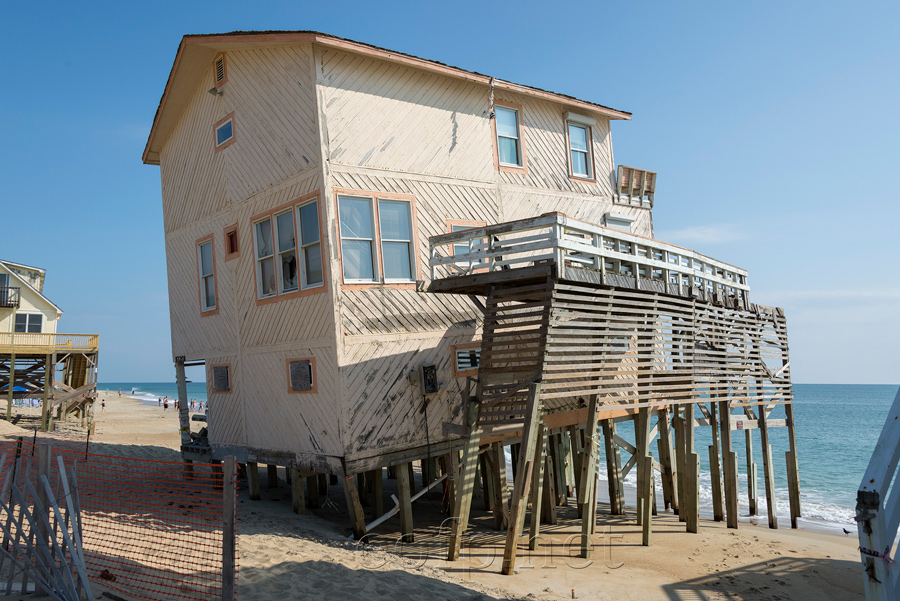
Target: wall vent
{"points": [[221, 380], [301, 375]]}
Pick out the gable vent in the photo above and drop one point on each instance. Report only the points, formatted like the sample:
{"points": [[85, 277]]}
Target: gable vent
{"points": [[220, 69]]}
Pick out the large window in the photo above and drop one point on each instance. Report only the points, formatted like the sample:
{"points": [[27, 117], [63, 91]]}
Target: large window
{"points": [[363, 243], [310, 244], [580, 150], [206, 263], [287, 252], [395, 224], [29, 323], [265, 258], [288, 249], [509, 140]]}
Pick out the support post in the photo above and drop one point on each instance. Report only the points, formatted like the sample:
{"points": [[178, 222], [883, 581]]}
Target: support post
{"points": [[184, 424], [793, 468], [312, 492], [666, 463], [588, 476], [715, 465], [523, 479], [537, 487], [577, 448], [752, 488], [11, 386], [272, 473], [768, 468], [692, 460], [228, 534], [645, 482], [404, 488], [465, 484], [376, 480], [729, 466], [501, 492], [45, 404], [487, 481], [253, 479], [354, 507], [614, 469], [298, 498]]}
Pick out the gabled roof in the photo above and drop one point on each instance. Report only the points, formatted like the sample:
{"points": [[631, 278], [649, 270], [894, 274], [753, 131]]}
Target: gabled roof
{"points": [[25, 283], [196, 53]]}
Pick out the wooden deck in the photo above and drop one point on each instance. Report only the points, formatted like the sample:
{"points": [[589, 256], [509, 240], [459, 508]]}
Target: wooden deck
{"points": [[582, 324], [46, 344]]}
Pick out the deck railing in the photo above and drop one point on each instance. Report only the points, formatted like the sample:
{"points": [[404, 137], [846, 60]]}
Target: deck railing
{"points": [[9, 296], [878, 513], [624, 259], [48, 343]]}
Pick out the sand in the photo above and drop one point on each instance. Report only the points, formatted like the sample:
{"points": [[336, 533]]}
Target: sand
{"points": [[285, 556]]}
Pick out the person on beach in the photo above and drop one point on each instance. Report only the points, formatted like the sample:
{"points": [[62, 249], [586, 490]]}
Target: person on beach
{"points": [[159, 402], [120, 392], [166, 404], [103, 405]]}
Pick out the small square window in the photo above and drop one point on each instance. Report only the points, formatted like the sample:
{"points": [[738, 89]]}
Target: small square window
{"points": [[221, 378], [301, 374], [232, 247], [224, 132]]}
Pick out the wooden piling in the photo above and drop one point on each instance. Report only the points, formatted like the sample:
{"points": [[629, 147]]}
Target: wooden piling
{"points": [[354, 507], [501, 492], [298, 498], [312, 491], [668, 473], [729, 466], [466, 475], [715, 467], [752, 488], [404, 490], [768, 468], [253, 480], [523, 480], [692, 462], [793, 470], [537, 487], [588, 476], [613, 469], [273, 475]]}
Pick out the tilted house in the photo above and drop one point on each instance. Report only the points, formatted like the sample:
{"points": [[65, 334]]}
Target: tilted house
{"points": [[302, 175]]}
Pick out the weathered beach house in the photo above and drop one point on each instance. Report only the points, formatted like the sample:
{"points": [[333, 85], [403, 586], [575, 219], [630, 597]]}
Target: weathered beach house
{"points": [[382, 259], [31, 350]]}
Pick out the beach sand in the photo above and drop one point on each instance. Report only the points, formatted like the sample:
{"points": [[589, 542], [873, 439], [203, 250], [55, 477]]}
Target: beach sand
{"points": [[285, 556]]}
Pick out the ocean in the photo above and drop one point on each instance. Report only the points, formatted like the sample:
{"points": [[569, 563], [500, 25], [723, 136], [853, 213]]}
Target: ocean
{"points": [[837, 426], [150, 392]]}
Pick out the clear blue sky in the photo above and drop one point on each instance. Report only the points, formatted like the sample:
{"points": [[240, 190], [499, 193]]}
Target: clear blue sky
{"points": [[773, 127]]}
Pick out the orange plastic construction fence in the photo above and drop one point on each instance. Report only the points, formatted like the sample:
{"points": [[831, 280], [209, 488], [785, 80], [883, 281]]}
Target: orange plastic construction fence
{"points": [[150, 529]]}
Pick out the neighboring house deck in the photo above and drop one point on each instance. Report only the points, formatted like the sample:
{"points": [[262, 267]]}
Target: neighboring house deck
{"points": [[35, 360]]}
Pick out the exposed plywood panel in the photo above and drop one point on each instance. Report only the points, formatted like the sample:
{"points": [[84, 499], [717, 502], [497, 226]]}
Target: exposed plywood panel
{"points": [[225, 411], [382, 410]]}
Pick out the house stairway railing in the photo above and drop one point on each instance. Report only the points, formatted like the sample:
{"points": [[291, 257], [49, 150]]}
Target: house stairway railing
{"points": [[878, 513]]}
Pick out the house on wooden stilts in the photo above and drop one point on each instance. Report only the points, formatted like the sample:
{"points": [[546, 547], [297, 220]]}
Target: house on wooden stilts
{"points": [[37, 362], [307, 181]]}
